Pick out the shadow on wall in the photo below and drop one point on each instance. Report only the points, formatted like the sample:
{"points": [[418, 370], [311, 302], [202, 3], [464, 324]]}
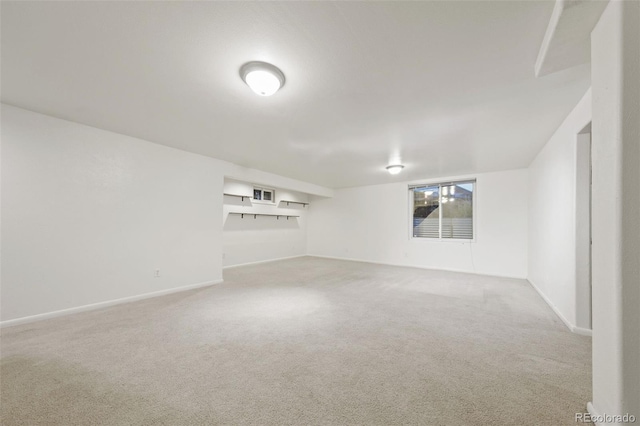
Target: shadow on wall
{"points": [[244, 202], [249, 223]]}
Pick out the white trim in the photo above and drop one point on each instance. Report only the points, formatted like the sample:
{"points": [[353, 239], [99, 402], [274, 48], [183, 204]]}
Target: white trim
{"points": [[263, 261], [462, 271], [573, 328], [99, 305], [548, 36], [594, 413], [582, 331], [551, 305]]}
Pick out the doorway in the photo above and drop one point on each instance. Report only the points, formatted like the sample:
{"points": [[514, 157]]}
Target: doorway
{"points": [[583, 228]]}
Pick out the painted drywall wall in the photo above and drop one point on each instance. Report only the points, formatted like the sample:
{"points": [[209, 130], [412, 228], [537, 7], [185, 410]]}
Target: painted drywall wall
{"points": [[251, 239], [240, 173], [615, 67], [88, 215], [372, 223], [552, 215]]}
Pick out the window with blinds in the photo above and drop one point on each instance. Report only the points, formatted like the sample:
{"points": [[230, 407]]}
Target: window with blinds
{"points": [[443, 210]]}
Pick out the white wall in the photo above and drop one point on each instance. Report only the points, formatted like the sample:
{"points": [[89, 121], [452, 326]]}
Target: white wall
{"points": [[255, 239], [583, 230], [371, 223], [270, 180], [615, 67], [89, 215], [552, 215]]}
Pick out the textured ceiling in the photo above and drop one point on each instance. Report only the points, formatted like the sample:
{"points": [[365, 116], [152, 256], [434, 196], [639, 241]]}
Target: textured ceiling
{"points": [[445, 87]]}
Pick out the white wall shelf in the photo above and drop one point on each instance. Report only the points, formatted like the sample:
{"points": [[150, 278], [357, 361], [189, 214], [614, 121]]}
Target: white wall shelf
{"points": [[238, 196], [255, 215], [294, 202]]}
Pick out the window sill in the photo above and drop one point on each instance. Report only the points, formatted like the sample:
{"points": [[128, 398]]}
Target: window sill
{"points": [[442, 240]]}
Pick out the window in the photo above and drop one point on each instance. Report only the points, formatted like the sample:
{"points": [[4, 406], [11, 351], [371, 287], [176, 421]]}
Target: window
{"points": [[443, 210], [264, 195]]}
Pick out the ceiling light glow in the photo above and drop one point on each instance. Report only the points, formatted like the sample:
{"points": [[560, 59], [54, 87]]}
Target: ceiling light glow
{"points": [[263, 78], [395, 169]]}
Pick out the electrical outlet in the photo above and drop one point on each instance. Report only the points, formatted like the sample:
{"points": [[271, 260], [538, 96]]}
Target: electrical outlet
{"points": [[156, 274]]}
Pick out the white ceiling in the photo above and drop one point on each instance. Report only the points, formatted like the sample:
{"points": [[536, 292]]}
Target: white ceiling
{"points": [[448, 87]]}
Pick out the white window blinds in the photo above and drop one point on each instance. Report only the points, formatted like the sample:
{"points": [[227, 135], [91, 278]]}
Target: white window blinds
{"points": [[443, 210]]}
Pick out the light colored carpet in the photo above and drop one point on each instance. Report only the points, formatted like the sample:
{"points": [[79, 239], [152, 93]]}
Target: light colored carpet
{"points": [[306, 341]]}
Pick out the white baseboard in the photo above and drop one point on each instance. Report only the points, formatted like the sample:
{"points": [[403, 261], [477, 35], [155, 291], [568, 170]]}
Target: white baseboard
{"points": [[99, 305], [582, 331], [572, 327], [591, 409], [264, 261], [462, 271], [609, 419]]}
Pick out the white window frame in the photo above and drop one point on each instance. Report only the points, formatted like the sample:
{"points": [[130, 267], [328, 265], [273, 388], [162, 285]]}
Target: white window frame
{"points": [[410, 206], [262, 190]]}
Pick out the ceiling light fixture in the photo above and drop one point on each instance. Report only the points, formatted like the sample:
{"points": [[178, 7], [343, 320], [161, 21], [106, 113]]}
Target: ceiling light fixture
{"points": [[263, 78], [395, 169]]}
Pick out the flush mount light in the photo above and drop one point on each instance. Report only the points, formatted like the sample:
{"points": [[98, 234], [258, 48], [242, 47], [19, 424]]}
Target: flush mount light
{"points": [[263, 78], [395, 169]]}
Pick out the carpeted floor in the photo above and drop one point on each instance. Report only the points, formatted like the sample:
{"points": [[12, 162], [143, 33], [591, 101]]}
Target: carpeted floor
{"points": [[306, 341]]}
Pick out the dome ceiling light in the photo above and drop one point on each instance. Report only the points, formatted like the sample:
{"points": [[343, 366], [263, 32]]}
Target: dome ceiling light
{"points": [[395, 169], [263, 78]]}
